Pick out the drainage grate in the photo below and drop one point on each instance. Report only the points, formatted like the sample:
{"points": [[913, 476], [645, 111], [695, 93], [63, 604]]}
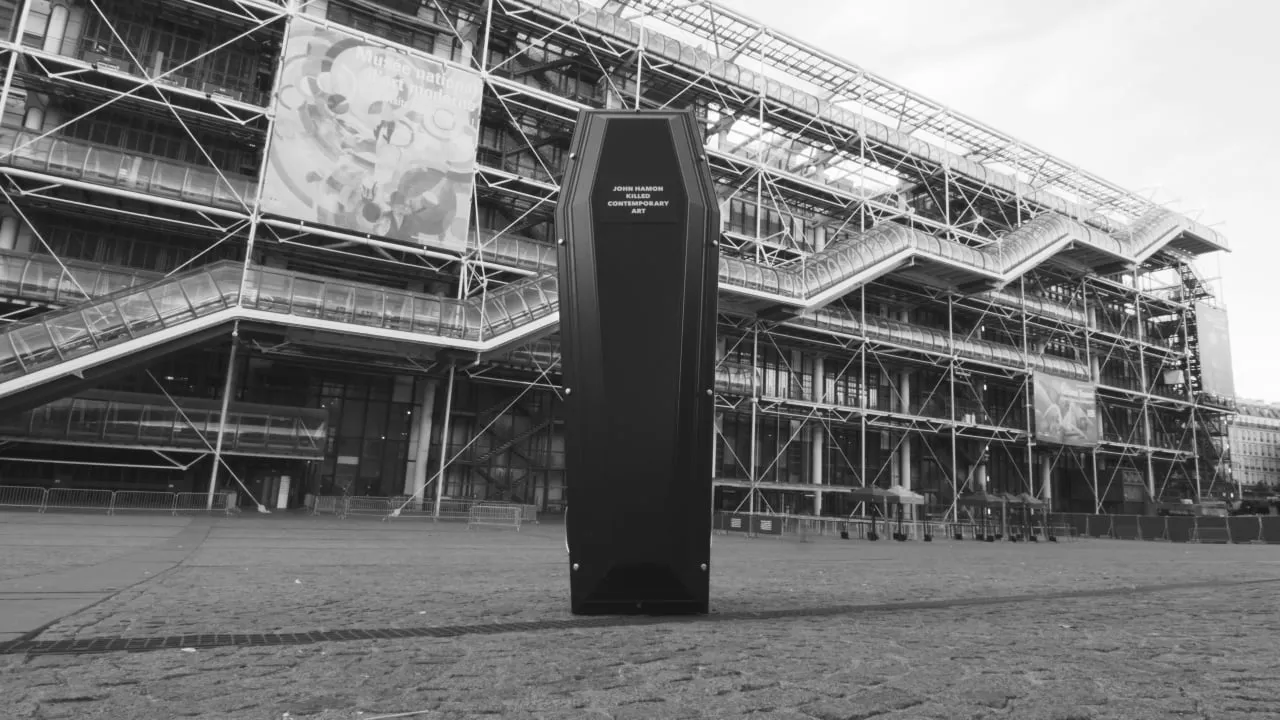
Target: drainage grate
{"points": [[89, 646]]}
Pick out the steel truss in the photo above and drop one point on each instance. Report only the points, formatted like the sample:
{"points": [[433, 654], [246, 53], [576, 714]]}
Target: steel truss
{"points": [[791, 179]]}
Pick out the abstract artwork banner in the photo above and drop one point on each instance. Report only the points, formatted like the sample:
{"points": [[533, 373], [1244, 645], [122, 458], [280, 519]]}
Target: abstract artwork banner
{"points": [[1216, 375], [372, 140], [1066, 411]]}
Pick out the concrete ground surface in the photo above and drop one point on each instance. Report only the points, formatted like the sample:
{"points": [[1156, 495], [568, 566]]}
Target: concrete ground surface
{"points": [[1207, 651]]}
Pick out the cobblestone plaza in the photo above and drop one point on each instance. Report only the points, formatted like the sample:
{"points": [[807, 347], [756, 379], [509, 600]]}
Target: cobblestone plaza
{"points": [[1087, 629]]}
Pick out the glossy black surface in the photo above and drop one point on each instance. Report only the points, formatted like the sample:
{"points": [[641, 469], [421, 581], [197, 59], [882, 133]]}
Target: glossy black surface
{"points": [[637, 315]]}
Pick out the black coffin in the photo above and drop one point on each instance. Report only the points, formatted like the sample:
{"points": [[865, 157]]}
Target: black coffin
{"points": [[637, 224]]}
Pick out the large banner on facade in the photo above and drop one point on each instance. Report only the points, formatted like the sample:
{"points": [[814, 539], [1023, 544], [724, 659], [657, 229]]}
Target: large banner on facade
{"points": [[372, 140], [1066, 410], [1216, 375]]}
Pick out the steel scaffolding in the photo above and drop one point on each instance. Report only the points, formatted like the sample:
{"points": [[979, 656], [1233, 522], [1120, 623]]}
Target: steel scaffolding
{"points": [[894, 272]]}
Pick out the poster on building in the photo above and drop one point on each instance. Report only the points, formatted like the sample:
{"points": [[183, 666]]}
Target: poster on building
{"points": [[370, 139], [1066, 411], [1216, 376]]}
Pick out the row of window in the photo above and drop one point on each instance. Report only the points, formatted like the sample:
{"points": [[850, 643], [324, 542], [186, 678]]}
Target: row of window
{"points": [[152, 36], [73, 242], [157, 137]]}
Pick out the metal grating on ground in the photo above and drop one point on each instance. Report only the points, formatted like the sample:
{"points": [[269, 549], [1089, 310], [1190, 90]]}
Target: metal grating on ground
{"points": [[89, 646]]}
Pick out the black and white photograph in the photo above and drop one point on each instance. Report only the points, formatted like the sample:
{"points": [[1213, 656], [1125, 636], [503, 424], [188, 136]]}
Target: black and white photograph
{"points": [[638, 359]]}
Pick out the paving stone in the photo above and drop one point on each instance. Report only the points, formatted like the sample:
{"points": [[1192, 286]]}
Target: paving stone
{"points": [[1193, 652]]}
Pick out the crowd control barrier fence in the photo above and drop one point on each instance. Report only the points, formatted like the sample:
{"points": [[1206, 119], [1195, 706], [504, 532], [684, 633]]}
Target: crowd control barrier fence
{"points": [[495, 516], [1237, 529], [111, 502], [404, 506], [1061, 527]]}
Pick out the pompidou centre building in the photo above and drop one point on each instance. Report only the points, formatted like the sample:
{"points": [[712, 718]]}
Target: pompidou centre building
{"points": [[301, 248]]}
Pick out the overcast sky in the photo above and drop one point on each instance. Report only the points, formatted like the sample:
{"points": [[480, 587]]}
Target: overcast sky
{"points": [[1177, 96]]}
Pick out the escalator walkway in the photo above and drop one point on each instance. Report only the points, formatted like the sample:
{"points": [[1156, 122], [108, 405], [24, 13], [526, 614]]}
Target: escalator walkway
{"points": [[135, 420], [116, 327], [859, 258], [121, 325]]}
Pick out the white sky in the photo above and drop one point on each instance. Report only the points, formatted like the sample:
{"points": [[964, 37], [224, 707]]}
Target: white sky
{"points": [[1179, 97]]}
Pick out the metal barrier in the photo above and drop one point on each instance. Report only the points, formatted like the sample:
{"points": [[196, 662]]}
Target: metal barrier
{"points": [[1269, 528], [12, 496], [1212, 530], [361, 505], [193, 502], [325, 504], [77, 499], [1061, 526], [1180, 528], [1245, 529], [455, 509], [1079, 524], [1099, 526], [1153, 528], [1063, 532], [1125, 527], [404, 506], [495, 515], [141, 500], [113, 501], [528, 513]]}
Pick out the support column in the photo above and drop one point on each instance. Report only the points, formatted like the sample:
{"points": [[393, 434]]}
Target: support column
{"points": [[980, 476], [904, 451], [612, 98], [444, 443], [800, 430], [1095, 367], [904, 407], [717, 416], [1097, 497], [421, 426], [1046, 482], [468, 33], [755, 419], [56, 30], [33, 119], [818, 439], [8, 232], [1151, 478], [227, 389]]}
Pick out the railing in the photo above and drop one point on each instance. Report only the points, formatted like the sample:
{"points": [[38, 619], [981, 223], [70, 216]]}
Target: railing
{"points": [[1238, 529], [111, 502], [40, 278], [1176, 528], [482, 514], [117, 318], [862, 528], [102, 165], [291, 293], [136, 419], [167, 178], [190, 502], [516, 251], [405, 507], [172, 301]]}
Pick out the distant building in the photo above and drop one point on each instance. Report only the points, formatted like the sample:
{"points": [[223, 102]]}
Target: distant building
{"points": [[1255, 445]]}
